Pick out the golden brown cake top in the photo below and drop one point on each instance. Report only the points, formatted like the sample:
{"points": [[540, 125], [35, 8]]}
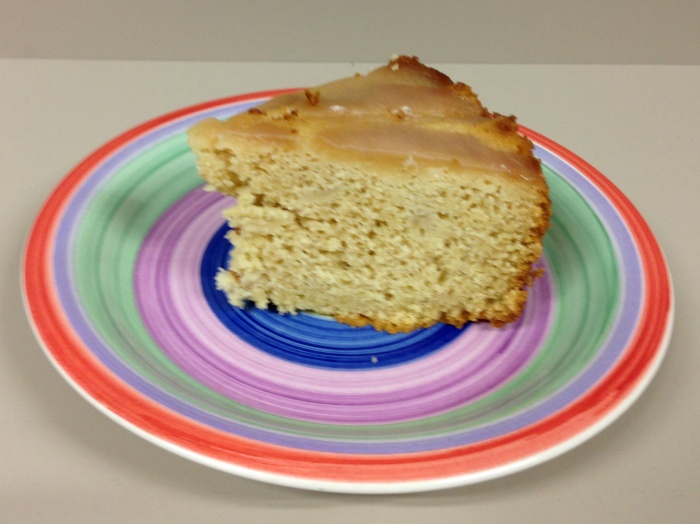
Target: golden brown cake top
{"points": [[402, 115]]}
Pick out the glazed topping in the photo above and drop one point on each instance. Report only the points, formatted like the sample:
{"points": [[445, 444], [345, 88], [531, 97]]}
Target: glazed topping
{"points": [[414, 146], [403, 114], [360, 96]]}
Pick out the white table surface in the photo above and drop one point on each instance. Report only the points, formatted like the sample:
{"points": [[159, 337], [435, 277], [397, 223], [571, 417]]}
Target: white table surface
{"points": [[63, 461]]}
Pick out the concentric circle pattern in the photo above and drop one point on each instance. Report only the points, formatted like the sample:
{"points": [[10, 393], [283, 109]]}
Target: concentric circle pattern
{"points": [[305, 338], [122, 298]]}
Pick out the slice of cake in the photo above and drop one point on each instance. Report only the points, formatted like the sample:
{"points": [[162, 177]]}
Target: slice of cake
{"points": [[393, 199]]}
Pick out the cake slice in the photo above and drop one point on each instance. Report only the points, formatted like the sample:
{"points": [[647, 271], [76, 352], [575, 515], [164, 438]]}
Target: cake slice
{"points": [[393, 199]]}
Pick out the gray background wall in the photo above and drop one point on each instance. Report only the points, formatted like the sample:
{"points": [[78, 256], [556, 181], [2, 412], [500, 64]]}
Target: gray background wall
{"points": [[495, 31]]}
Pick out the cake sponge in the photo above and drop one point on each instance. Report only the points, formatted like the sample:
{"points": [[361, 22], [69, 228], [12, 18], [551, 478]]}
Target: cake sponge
{"points": [[393, 199]]}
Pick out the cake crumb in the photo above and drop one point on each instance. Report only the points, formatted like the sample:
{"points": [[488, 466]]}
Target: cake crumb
{"points": [[402, 112], [314, 97], [290, 113]]}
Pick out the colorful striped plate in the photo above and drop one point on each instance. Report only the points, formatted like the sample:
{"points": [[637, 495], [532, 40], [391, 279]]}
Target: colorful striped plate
{"points": [[118, 284]]}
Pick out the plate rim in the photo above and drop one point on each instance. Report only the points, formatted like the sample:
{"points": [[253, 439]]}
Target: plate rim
{"points": [[403, 486]]}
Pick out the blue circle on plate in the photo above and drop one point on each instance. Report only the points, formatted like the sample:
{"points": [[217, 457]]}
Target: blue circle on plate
{"points": [[310, 339]]}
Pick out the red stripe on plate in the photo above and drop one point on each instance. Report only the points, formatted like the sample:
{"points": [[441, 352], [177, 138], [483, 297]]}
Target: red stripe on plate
{"points": [[99, 384]]}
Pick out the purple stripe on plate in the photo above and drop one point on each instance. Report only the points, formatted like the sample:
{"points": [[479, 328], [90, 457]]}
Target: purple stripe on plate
{"points": [[178, 317]]}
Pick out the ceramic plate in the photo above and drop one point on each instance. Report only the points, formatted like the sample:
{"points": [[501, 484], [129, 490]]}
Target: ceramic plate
{"points": [[118, 283]]}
